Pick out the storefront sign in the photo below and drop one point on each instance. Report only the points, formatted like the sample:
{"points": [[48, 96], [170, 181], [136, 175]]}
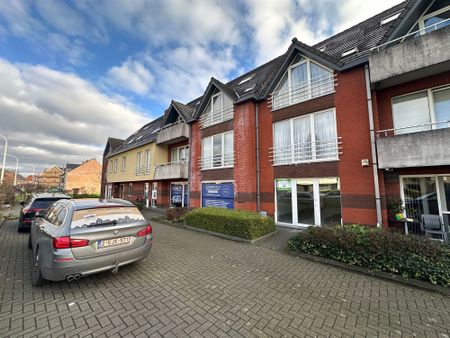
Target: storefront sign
{"points": [[218, 195], [176, 194]]}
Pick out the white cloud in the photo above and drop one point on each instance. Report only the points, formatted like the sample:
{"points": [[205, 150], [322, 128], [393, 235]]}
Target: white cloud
{"points": [[130, 75], [51, 117]]}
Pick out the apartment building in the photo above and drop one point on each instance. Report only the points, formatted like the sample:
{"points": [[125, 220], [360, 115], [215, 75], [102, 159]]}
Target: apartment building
{"points": [[151, 165], [322, 134], [299, 137]]}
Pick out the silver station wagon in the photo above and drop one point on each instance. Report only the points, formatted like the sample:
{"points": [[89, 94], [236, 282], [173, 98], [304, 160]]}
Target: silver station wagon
{"points": [[76, 238]]}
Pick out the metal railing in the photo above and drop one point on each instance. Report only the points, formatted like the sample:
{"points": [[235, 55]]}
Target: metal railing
{"points": [[216, 161], [414, 128], [211, 118], [308, 90], [306, 152], [402, 38], [142, 169]]}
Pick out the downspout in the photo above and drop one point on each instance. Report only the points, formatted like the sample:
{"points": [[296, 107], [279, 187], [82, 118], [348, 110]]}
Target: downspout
{"points": [[189, 164], [258, 192], [374, 148]]}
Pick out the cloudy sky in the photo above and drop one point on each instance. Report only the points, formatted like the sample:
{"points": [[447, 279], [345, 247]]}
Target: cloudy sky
{"points": [[73, 73]]}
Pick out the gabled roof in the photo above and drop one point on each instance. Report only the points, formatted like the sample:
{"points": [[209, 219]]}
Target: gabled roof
{"points": [[146, 134]]}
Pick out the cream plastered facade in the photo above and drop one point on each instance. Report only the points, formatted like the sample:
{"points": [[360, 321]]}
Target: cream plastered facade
{"points": [[158, 155]]}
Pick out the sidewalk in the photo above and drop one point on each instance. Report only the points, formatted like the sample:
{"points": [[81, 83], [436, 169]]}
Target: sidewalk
{"points": [[10, 211]]}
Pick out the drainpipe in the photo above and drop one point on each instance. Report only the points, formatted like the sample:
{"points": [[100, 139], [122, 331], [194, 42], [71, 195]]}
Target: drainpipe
{"points": [[374, 148], [189, 164], [258, 192]]}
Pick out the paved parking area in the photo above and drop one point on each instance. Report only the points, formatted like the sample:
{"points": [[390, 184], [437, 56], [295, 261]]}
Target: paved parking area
{"points": [[197, 285]]}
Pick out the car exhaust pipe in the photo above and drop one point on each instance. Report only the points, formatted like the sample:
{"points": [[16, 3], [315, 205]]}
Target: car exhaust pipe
{"points": [[116, 268], [77, 276], [70, 278]]}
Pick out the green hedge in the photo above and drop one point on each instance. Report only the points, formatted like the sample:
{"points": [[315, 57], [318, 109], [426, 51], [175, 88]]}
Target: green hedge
{"points": [[409, 256], [77, 196], [232, 222]]}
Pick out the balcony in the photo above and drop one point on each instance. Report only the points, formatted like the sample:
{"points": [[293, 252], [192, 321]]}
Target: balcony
{"points": [[413, 56], [171, 170], [217, 161], [173, 133], [418, 149], [321, 86], [209, 119], [307, 152]]}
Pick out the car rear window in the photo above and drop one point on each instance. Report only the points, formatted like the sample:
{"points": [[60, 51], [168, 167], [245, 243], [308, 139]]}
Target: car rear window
{"points": [[104, 216], [43, 203]]}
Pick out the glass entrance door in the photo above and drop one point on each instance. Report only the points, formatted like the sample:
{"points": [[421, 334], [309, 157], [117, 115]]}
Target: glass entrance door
{"points": [[308, 201]]}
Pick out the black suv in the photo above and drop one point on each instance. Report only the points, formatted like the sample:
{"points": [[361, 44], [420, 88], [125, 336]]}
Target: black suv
{"points": [[35, 203]]}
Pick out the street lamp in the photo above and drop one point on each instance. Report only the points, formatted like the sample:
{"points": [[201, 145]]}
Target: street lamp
{"points": [[17, 166], [4, 158]]}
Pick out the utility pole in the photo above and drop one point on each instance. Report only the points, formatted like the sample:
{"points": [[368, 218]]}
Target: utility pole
{"points": [[4, 158], [17, 167]]}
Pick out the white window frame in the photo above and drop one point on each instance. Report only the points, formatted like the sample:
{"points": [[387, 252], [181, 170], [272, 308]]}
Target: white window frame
{"points": [[178, 151], [115, 164], [313, 139], [308, 74], [138, 163], [211, 116], [222, 159], [147, 158], [422, 19], [294, 205], [124, 163], [431, 107], [110, 166]]}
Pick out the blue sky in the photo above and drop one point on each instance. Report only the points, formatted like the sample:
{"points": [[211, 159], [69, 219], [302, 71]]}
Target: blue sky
{"points": [[75, 72]]}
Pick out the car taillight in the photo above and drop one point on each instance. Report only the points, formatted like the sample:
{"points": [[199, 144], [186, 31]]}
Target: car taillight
{"points": [[27, 210], [145, 232], [67, 242]]}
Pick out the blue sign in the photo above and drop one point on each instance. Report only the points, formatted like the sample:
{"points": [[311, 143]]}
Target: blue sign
{"points": [[218, 195], [176, 193]]}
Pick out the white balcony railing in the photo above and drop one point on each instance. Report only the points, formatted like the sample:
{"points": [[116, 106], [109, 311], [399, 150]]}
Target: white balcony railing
{"points": [[320, 86], [142, 169], [209, 119], [414, 128], [324, 150], [217, 161]]}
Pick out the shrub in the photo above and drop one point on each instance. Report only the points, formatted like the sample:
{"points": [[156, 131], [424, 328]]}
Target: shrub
{"points": [[139, 205], [232, 222], [409, 256], [174, 214], [76, 196]]}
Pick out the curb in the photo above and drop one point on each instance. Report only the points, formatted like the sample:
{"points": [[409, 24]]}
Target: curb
{"points": [[379, 274]]}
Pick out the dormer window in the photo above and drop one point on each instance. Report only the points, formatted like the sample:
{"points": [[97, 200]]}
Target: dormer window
{"points": [[389, 19], [304, 80], [219, 109], [349, 52]]}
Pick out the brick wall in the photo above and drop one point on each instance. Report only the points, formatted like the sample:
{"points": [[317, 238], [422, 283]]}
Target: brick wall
{"points": [[195, 154], [245, 156], [357, 184], [85, 178]]}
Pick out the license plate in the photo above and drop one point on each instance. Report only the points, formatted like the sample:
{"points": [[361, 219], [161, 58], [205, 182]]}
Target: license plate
{"points": [[107, 243]]}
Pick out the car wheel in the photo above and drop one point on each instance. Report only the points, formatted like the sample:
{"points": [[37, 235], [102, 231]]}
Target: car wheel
{"points": [[36, 278], [29, 242]]}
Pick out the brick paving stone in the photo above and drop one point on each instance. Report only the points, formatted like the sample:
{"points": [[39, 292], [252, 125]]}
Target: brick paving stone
{"points": [[196, 285]]}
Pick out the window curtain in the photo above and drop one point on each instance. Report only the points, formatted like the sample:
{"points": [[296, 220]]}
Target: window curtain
{"points": [[217, 109], [206, 153], [411, 113], [217, 150], [302, 138], [228, 149], [299, 83], [442, 107], [282, 142], [281, 94], [321, 80], [325, 135]]}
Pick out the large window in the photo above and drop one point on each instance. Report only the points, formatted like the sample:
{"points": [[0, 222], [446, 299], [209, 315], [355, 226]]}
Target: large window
{"points": [[147, 161], [138, 163], [124, 163], [179, 155], [308, 201], [304, 139], [219, 109], [303, 81], [425, 110], [217, 151]]}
